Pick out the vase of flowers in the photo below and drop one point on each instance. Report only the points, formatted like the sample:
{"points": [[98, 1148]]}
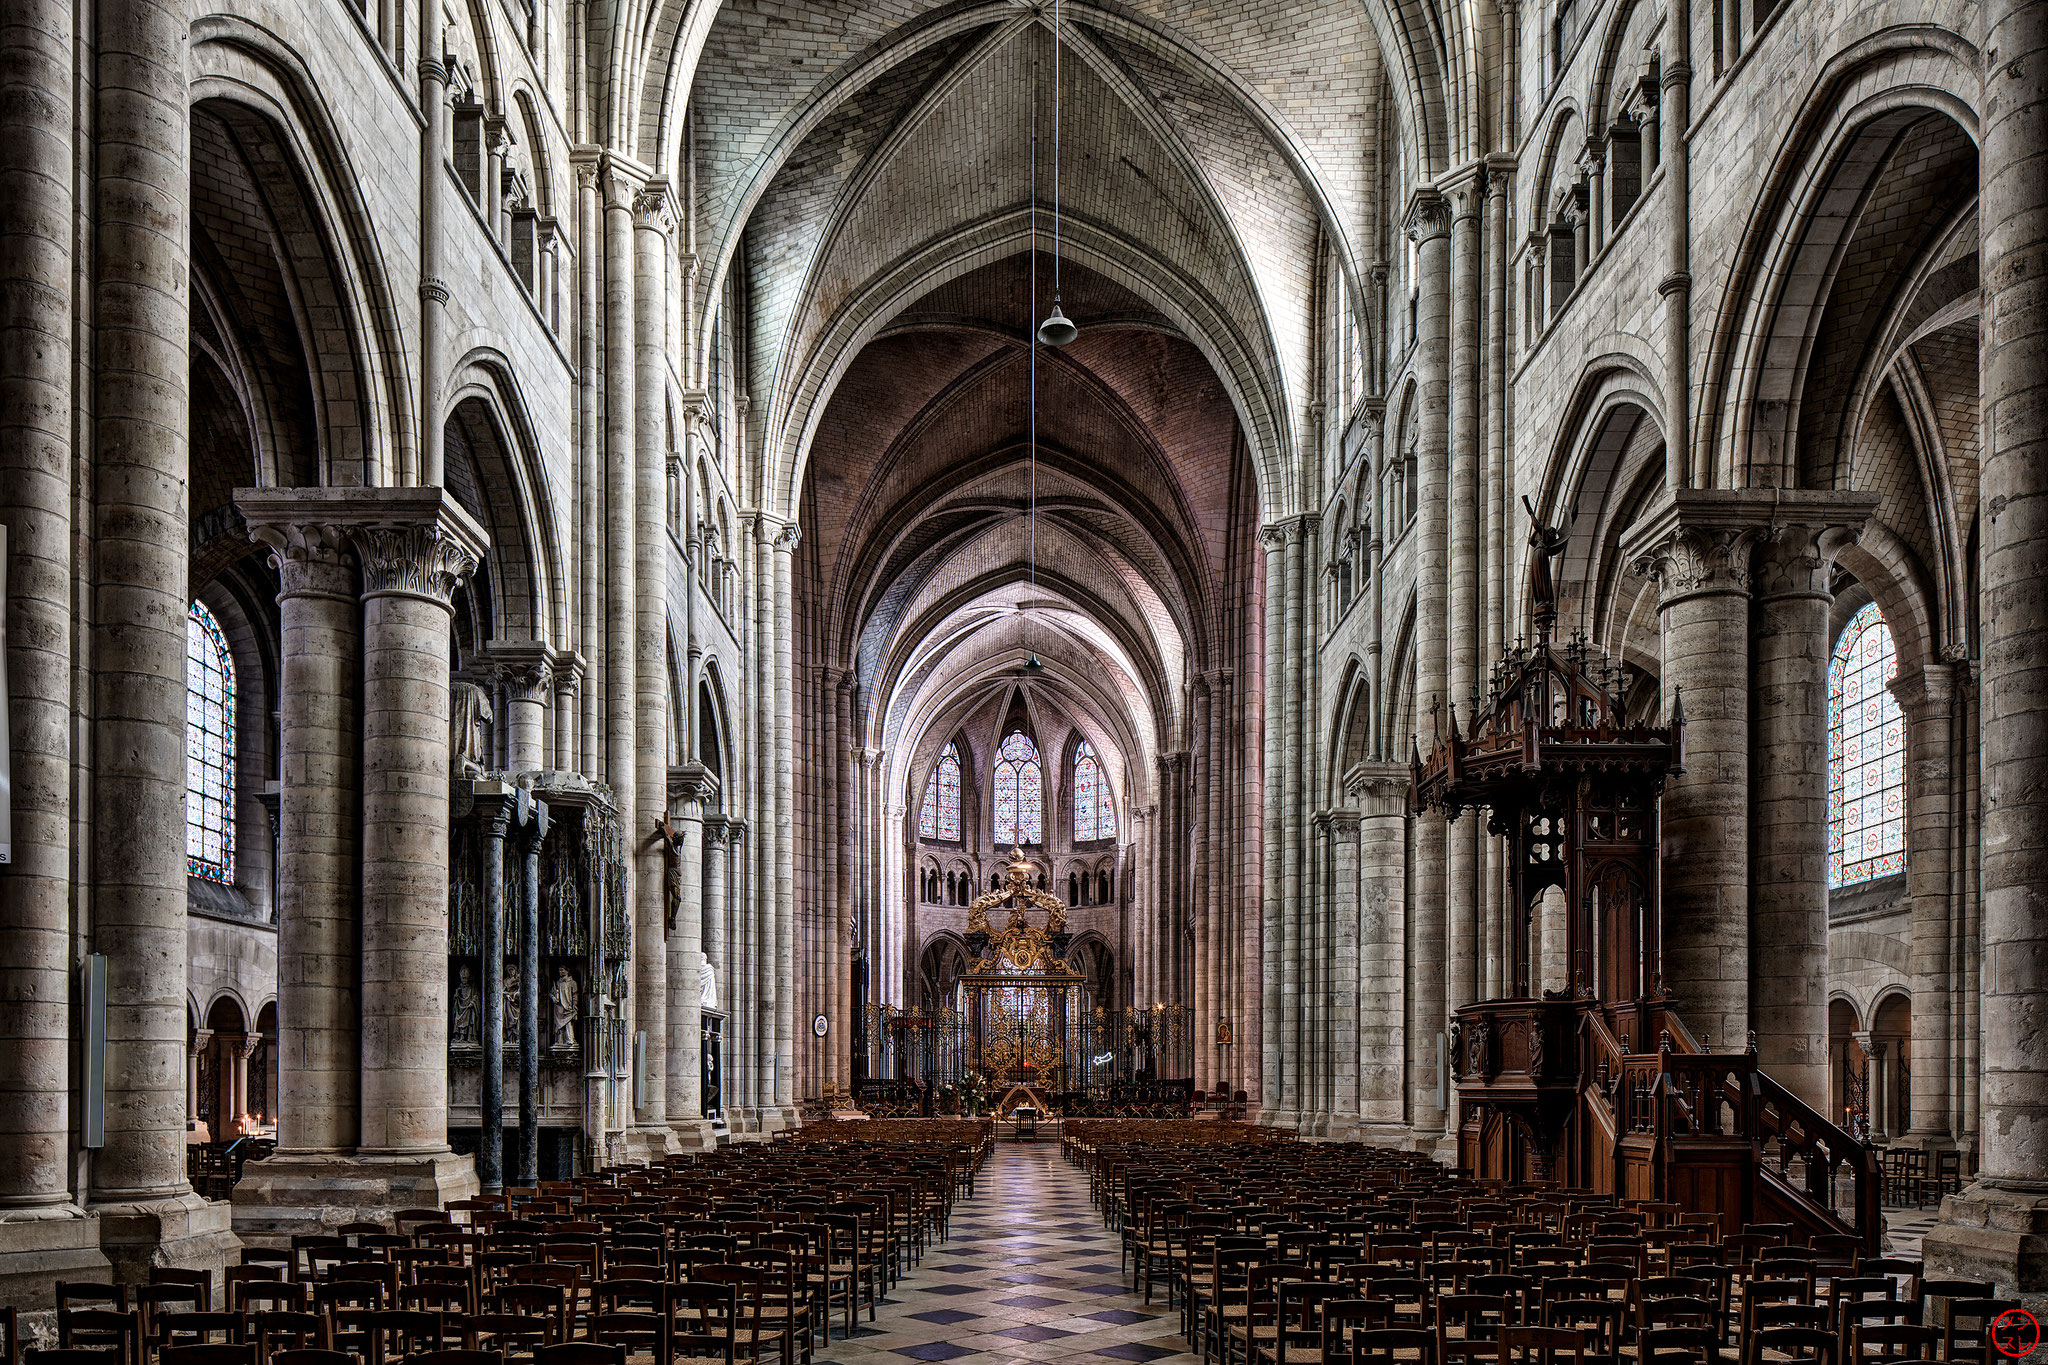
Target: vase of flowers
{"points": [[973, 1094]]}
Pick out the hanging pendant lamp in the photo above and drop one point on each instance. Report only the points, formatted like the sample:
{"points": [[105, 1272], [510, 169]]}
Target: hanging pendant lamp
{"points": [[1058, 329]]}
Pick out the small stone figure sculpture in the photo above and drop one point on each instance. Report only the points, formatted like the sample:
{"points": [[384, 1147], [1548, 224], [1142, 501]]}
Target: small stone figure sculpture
{"points": [[707, 985], [469, 711], [563, 1000], [671, 840], [468, 1010], [510, 1033]]}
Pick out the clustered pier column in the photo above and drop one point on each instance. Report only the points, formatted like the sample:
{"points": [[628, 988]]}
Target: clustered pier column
{"points": [[367, 581], [1998, 1228]]}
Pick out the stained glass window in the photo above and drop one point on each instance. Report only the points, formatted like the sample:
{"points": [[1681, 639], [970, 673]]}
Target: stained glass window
{"points": [[1019, 792], [1866, 755], [938, 817], [1094, 810], [209, 749]]}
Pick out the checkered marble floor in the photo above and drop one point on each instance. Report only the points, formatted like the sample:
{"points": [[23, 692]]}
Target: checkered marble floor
{"points": [[1029, 1274]]}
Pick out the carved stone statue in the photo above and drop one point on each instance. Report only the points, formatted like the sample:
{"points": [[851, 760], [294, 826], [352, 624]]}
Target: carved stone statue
{"points": [[510, 1032], [467, 1025], [707, 985], [469, 711], [671, 840], [1545, 544], [562, 999]]}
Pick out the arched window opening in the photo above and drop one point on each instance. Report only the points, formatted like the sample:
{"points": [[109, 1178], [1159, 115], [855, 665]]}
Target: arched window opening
{"points": [[1866, 755], [1094, 810], [1019, 792], [1102, 889], [939, 815], [1073, 889], [209, 749]]}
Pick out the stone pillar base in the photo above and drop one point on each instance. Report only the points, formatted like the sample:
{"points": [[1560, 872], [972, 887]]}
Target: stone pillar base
{"points": [[41, 1247], [315, 1193], [185, 1232], [693, 1135], [1986, 1233], [647, 1146]]}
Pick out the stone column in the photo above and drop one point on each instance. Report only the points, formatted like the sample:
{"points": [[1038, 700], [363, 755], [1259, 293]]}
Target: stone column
{"points": [[1464, 946], [1273, 540], [1788, 920], [1925, 696], [1696, 546], [845, 930], [1205, 999], [1345, 980], [647, 667], [1998, 1228], [195, 1048], [494, 799], [318, 604], [531, 821], [135, 726], [433, 290], [1380, 792], [1428, 226], [526, 669], [1294, 818], [716, 834], [413, 556], [690, 786], [44, 1235], [783, 782], [245, 1048], [568, 679]]}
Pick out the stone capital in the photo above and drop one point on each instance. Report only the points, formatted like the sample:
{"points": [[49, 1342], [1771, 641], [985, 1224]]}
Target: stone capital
{"points": [[311, 554], [691, 784], [1344, 823], [568, 670], [652, 210], [1796, 554], [414, 541], [717, 830], [1925, 693], [1377, 789], [1698, 541], [525, 667], [1429, 215]]}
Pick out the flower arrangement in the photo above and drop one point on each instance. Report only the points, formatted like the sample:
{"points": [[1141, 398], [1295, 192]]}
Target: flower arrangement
{"points": [[974, 1093]]}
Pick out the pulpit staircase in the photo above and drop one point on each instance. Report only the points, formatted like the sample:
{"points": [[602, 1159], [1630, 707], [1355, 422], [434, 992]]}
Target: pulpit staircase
{"points": [[1596, 1083]]}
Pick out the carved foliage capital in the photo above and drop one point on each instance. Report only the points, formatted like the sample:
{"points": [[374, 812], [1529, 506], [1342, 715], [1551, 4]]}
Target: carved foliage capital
{"points": [[1692, 559], [1429, 215], [651, 209], [310, 557], [417, 561]]}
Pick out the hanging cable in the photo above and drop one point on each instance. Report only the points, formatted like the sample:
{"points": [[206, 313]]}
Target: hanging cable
{"points": [[1057, 329], [1031, 515]]}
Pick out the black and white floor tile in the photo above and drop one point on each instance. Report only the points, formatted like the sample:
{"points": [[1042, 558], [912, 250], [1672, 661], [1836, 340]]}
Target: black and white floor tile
{"points": [[1029, 1274]]}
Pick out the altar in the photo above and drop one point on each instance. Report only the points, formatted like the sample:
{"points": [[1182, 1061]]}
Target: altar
{"points": [[1022, 997]]}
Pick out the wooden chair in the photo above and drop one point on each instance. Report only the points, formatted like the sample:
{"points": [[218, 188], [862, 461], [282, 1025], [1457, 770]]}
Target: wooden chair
{"points": [[1884, 1341], [1541, 1346], [703, 1321], [1600, 1323], [1342, 1318], [313, 1356], [1393, 1346], [513, 1335], [580, 1353], [1794, 1346], [104, 1328], [283, 1331], [211, 1353], [199, 1280], [1965, 1333], [1678, 1346]]}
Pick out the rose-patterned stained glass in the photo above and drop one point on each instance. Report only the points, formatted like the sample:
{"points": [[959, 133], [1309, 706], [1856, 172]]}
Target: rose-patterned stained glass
{"points": [[209, 749], [1019, 792], [1094, 810], [1866, 755], [938, 816]]}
